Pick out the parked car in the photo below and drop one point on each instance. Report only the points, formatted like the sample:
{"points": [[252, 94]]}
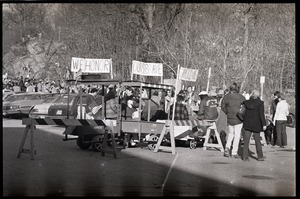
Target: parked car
{"points": [[291, 99], [58, 109], [6, 94], [41, 110], [23, 103]]}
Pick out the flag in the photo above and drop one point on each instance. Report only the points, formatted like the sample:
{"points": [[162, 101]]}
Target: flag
{"points": [[94, 107]]}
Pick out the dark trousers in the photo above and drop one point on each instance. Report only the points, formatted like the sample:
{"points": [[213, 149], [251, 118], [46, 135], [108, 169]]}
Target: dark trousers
{"points": [[274, 136], [247, 136], [281, 133]]}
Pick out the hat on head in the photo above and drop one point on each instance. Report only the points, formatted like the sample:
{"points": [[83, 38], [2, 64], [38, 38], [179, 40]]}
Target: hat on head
{"points": [[221, 92], [203, 93], [212, 93], [93, 90]]}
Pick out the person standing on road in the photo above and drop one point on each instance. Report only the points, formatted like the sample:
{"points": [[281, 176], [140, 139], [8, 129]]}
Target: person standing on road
{"points": [[272, 112], [29, 88], [280, 119], [253, 123], [231, 104]]}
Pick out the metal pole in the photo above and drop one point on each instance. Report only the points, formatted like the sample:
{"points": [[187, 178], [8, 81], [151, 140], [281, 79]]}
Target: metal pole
{"points": [[80, 90], [59, 33], [68, 100]]}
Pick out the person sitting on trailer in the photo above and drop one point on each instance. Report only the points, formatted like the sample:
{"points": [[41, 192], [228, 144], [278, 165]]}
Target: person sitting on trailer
{"points": [[207, 107], [112, 107], [93, 105], [129, 104], [169, 100], [154, 106], [111, 94], [181, 112]]}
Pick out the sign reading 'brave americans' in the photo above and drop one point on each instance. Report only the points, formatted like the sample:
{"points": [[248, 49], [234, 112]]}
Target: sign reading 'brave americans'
{"points": [[147, 69], [91, 65], [188, 74]]}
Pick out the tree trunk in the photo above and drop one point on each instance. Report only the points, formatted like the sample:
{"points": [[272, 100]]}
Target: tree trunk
{"points": [[245, 49], [281, 73]]}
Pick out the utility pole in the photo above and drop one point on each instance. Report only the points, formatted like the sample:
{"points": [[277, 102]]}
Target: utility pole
{"points": [[59, 33]]}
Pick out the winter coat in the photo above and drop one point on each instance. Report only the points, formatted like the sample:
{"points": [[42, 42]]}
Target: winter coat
{"points": [[254, 117], [231, 104], [111, 108], [282, 110], [273, 107]]}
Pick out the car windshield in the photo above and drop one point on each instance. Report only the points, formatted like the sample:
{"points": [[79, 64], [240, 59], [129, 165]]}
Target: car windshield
{"points": [[34, 97], [49, 100], [64, 100], [10, 98], [20, 97]]}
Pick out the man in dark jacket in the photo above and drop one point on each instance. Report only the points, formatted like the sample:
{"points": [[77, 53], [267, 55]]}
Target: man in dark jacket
{"points": [[272, 112], [207, 107], [231, 104], [254, 122]]}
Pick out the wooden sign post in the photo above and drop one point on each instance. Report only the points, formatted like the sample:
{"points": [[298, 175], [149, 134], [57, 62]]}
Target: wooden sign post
{"points": [[262, 81], [209, 74]]}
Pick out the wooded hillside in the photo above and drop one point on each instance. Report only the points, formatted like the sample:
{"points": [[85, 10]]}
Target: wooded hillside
{"points": [[240, 42]]}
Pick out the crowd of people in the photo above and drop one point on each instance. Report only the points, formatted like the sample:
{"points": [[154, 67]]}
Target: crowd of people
{"points": [[21, 84], [159, 105]]}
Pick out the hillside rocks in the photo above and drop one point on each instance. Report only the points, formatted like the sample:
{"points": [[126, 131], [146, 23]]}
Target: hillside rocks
{"points": [[37, 58]]}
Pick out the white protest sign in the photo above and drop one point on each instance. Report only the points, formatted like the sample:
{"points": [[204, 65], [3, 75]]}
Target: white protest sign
{"points": [[188, 74], [91, 65], [262, 79], [147, 69]]}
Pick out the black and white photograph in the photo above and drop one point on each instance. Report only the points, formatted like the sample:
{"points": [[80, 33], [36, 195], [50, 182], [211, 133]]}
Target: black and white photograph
{"points": [[123, 99]]}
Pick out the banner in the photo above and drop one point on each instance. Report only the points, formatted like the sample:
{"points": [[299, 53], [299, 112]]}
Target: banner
{"points": [[147, 69], [91, 65], [188, 74]]}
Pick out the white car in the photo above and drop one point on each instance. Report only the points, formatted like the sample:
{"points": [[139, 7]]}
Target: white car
{"points": [[41, 110]]}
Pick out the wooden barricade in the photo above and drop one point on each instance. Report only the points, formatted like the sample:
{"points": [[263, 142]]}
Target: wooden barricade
{"points": [[70, 123], [165, 130], [217, 134]]}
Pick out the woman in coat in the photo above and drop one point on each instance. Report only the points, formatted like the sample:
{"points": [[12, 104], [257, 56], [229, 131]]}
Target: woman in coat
{"points": [[253, 123], [279, 120]]}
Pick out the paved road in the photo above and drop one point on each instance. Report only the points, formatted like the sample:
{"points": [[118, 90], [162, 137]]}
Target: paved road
{"points": [[62, 169]]}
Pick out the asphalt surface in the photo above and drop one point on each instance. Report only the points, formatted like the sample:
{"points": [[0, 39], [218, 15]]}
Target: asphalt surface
{"points": [[62, 169]]}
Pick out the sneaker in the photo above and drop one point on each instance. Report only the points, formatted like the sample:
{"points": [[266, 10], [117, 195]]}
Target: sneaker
{"points": [[262, 158], [236, 156], [226, 152], [246, 160]]}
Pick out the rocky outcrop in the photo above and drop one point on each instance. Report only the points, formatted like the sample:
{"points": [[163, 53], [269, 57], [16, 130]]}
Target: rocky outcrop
{"points": [[35, 57]]}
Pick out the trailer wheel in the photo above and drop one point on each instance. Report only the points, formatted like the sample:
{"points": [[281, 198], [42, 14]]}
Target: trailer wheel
{"points": [[97, 143], [193, 144], [153, 139], [82, 145]]}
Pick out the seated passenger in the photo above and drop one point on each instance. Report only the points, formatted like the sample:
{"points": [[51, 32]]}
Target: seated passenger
{"points": [[154, 106], [129, 104], [181, 112], [207, 107], [111, 108]]}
